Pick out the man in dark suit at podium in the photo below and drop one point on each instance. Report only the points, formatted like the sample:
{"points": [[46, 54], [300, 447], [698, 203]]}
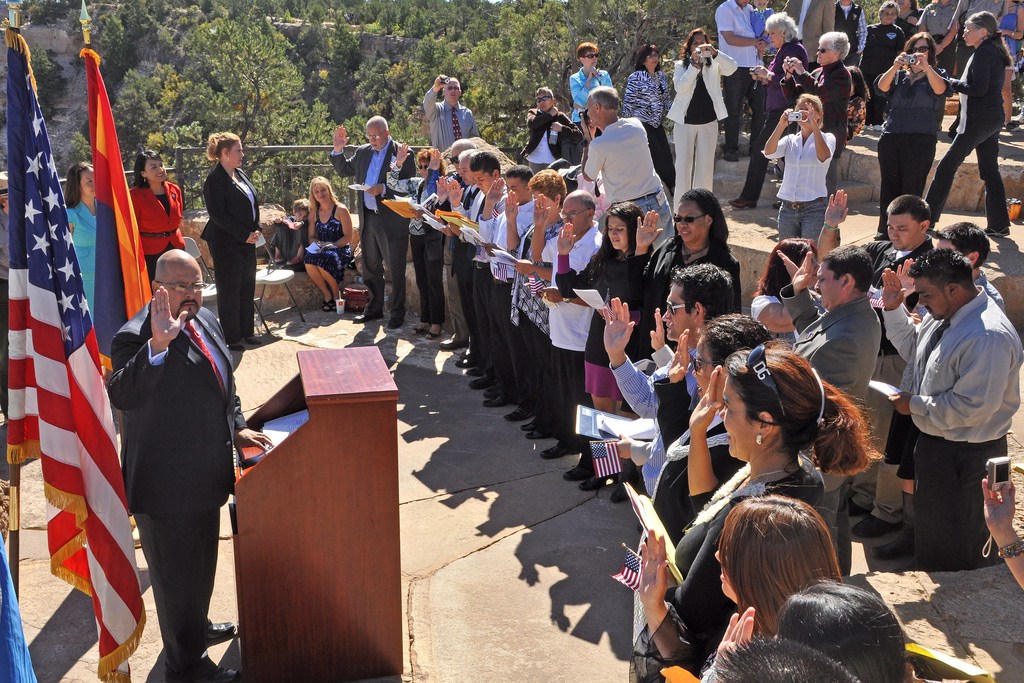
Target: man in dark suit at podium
{"points": [[182, 422], [383, 234]]}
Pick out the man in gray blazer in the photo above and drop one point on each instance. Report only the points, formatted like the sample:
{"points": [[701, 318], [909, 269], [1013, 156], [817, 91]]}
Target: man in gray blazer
{"points": [[841, 345], [383, 234]]}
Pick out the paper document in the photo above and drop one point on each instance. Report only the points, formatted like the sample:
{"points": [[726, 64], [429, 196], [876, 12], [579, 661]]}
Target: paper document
{"points": [[502, 256], [433, 222], [649, 520], [279, 428], [472, 236], [884, 388], [600, 425], [592, 297], [313, 248], [359, 187]]}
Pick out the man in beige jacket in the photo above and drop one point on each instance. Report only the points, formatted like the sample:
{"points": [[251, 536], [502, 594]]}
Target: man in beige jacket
{"points": [[813, 18]]}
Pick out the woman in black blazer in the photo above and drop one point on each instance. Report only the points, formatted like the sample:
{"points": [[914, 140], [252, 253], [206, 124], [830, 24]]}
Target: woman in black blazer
{"points": [[231, 233], [979, 122]]}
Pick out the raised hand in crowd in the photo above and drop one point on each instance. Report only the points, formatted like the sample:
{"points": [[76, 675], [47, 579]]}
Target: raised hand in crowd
{"points": [[439, 82], [806, 275], [454, 191], [163, 325], [435, 159], [566, 238], [892, 290], [618, 328], [654, 580], [493, 196], [511, 208], [709, 404], [340, 139], [545, 212], [838, 209], [680, 360], [646, 232], [700, 473], [403, 154], [739, 632], [906, 282], [658, 333]]}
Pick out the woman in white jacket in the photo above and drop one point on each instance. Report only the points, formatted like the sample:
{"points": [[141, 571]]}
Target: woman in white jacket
{"points": [[697, 109]]}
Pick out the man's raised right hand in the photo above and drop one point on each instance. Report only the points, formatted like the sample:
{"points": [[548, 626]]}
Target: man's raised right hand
{"points": [[164, 326], [340, 139]]}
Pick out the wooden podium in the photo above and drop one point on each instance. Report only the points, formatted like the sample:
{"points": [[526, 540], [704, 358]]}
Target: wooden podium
{"points": [[317, 547]]}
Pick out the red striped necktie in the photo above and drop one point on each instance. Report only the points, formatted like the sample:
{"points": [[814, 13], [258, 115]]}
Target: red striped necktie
{"points": [[193, 333]]}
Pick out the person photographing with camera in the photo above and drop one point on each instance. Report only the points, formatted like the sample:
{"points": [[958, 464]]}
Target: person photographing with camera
{"points": [[807, 153], [915, 92], [999, 495]]}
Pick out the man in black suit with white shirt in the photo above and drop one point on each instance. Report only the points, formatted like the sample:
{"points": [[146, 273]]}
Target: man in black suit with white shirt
{"points": [[182, 422], [384, 235]]}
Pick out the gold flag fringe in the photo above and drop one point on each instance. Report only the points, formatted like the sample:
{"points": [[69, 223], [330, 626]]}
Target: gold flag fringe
{"points": [[16, 42], [92, 53], [19, 453], [108, 665]]}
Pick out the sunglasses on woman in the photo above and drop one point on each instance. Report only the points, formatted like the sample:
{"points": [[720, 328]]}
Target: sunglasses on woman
{"points": [[757, 364], [687, 219]]}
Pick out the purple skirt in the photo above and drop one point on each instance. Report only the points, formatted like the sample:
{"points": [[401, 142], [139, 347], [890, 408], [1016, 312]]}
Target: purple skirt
{"points": [[601, 382]]}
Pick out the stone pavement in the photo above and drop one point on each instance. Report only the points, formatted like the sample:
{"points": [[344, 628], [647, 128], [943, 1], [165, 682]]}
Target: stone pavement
{"points": [[505, 566]]}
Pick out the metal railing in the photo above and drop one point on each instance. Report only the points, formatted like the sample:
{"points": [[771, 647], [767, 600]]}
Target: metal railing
{"points": [[281, 173]]}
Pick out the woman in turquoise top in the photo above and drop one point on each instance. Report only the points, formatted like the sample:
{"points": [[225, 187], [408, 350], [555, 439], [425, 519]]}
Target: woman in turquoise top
{"points": [[80, 198]]}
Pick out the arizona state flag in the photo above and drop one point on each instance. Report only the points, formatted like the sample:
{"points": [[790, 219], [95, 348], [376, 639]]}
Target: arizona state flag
{"points": [[122, 284]]}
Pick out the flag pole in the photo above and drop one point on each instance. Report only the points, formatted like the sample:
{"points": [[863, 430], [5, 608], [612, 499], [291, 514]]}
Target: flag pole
{"points": [[14, 532]]}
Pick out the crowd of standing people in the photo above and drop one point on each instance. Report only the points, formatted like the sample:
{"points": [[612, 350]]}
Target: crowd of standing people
{"points": [[874, 380]]}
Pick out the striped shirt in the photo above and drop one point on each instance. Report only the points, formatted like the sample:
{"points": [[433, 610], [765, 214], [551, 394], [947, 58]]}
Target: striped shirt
{"points": [[647, 97]]}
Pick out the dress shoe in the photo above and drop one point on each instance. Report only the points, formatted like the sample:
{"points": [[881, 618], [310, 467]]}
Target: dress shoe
{"points": [[218, 633], [395, 322], [253, 341], [619, 494], [496, 402], [740, 203], [236, 346], [998, 232], [217, 674], [474, 371], [855, 510], [482, 383], [578, 473], [518, 415], [556, 451], [453, 344], [529, 426], [466, 362], [873, 527], [367, 317], [493, 391], [731, 156], [593, 484], [902, 547], [538, 435]]}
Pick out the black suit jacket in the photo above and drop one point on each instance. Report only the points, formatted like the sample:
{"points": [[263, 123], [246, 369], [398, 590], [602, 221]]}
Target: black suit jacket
{"points": [[177, 442], [231, 218], [356, 167]]}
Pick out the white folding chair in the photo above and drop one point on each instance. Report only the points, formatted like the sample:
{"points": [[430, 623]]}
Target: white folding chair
{"points": [[210, 290], [273, 275]]}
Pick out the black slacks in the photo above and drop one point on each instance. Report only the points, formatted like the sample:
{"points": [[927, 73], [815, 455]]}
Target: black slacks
{"points": [[380, 247], [982, 137], [499, 314], [904, 162], [428, 263], [469, 312], [482, 282], [758, 161], [661, 155], [568, 386], [235, 275], [181, 551], [949, 520], [538, 346]]}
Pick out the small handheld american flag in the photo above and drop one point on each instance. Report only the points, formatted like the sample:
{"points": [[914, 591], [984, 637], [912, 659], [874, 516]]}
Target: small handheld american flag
{"points": [[629, 575], [535, 284], [606, 458]]}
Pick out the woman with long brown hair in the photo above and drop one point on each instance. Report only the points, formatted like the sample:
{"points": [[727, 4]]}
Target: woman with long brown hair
{"points": [[783, 421]]}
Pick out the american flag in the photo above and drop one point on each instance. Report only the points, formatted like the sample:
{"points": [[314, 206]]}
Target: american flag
{"points": [[629, 575], [59, 408], [503, 272], [606, 458], [535, 284]]}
